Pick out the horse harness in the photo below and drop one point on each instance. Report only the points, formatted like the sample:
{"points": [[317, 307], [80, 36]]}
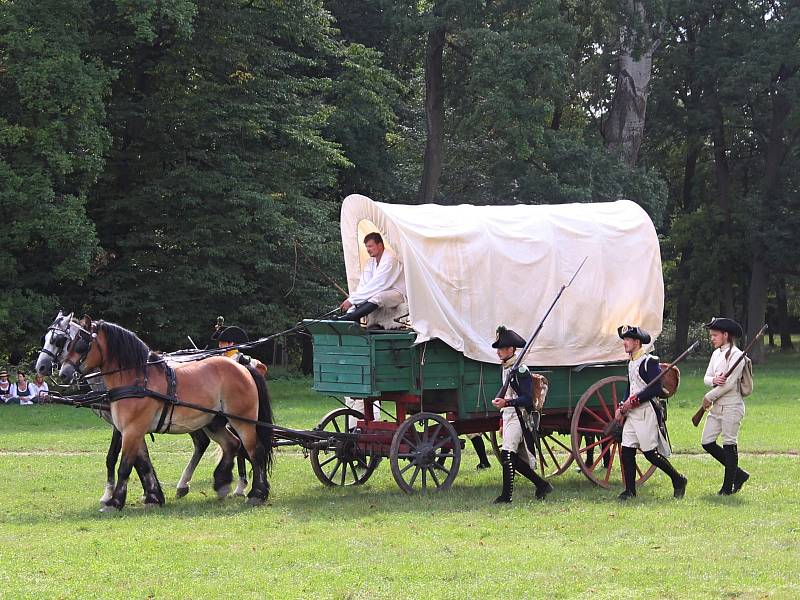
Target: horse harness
{"points": [[170, 399]]}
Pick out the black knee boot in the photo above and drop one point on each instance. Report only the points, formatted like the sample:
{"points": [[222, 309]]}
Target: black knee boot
{"points": [[716, 451], [678, 480], [507, 462], [480, 449], [628, 458], [734, 476], [543, 487], [361, 311]]}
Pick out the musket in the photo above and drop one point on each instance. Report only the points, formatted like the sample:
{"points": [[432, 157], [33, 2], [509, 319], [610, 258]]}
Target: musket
{"points": [[502, 393], [698, 416]]}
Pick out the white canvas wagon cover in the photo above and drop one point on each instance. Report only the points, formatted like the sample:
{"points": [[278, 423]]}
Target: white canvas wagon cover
{"points": [[470, 268]]}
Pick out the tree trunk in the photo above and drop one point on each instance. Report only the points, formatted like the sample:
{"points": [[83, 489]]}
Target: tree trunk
{"points": [[725, 219], [776, 153], [434, 115], [757, 306], [783, 316], [623, 128], [684, 301]]}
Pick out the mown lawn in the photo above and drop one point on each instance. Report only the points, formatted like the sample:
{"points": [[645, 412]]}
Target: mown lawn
{"points": [[376, 542]]}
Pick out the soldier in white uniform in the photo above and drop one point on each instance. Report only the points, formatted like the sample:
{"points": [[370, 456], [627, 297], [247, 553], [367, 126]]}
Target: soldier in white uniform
{"points": [[516, 455], [643, 422], [381, 289], [724, 403]]}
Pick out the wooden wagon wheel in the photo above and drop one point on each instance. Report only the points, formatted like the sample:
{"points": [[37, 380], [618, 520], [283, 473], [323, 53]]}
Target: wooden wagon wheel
{"points": [[343, 463], [557, 455], [425, 453], [594, 410]]}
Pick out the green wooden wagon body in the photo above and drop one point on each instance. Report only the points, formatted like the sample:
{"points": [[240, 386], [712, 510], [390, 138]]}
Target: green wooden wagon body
{"points": [[353, 361], [435, 387]]}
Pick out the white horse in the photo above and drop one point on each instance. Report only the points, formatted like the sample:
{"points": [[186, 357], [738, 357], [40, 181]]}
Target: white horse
{"points": [[54, 349]]}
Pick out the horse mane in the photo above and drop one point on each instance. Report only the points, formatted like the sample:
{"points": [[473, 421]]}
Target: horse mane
{"points": [[126, 348]]}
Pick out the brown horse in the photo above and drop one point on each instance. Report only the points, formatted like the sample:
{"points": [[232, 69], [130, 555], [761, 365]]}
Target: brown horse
{"points": [[54, 349], [140, 396]]}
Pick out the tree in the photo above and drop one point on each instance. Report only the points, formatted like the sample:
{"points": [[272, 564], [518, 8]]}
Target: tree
{"points": [[52, 148]]}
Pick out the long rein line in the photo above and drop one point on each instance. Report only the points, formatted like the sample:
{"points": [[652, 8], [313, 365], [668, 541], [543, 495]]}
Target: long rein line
{"points": [[193, 355]]}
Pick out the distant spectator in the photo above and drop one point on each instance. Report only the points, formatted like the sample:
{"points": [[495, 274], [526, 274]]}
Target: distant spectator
{"points": [[22, 392], [40, 389], [5, 387]]}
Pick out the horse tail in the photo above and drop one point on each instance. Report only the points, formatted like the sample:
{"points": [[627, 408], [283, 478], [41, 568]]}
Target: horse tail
{"points": [[265, 434]]}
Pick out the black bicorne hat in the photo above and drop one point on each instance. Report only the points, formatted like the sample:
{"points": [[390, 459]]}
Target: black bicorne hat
{"points": [[634, 332], [508, 337], [725, 324], [234, 335]]}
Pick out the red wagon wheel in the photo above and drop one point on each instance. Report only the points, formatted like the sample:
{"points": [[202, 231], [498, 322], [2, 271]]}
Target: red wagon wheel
{"points": [[342, 463], [425, 453], [595, 453], [557, 455]]}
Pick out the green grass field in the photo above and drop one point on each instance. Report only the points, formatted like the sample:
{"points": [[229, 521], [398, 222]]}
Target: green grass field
{"points": [[376, 542]]}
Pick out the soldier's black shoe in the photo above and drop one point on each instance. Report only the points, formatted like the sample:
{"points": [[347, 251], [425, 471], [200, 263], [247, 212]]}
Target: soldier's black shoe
{"points": [[723, 491], [483, 465], [626, 495], [741, 477], [679, 489], [543, 490], [501, 499]]}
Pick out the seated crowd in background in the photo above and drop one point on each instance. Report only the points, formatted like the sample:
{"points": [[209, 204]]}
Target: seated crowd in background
{"points": [[22, 392]]}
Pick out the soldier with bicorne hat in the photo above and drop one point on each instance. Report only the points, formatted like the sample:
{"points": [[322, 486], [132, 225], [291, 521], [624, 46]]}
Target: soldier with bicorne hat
{"points": [[516, 455], [724, 403], [644, 424], [226, 337]]}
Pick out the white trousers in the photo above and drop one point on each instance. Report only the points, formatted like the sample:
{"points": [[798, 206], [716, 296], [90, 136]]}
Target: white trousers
{"points": [[725, 421], [641, 430], [513, 439]]}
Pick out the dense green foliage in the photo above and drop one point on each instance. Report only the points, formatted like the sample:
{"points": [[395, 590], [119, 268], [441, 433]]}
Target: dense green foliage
{"points": [[163, 163]]}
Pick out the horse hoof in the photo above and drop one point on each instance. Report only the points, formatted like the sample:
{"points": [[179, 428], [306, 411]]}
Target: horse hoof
{"points": [[223, 492], [108, 508], [240, 490], [181, 492], [256, 501]]}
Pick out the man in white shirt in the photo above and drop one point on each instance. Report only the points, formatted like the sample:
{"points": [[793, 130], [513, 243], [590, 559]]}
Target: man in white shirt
{"points": [[724, 402], [382, 284]]}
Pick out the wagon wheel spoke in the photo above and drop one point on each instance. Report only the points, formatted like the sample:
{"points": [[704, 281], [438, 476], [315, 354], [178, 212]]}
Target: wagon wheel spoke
{"points": [[590, 446], [433, 476], [614, 397], [436, 465], [344, 472], [414, 476], [424, 478], [610, 466], [559, 465], [336, 426], [336, 468], [603, 404], [436, 431], [326, 461], [589, 430], [407, 467], [595, 415]]}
